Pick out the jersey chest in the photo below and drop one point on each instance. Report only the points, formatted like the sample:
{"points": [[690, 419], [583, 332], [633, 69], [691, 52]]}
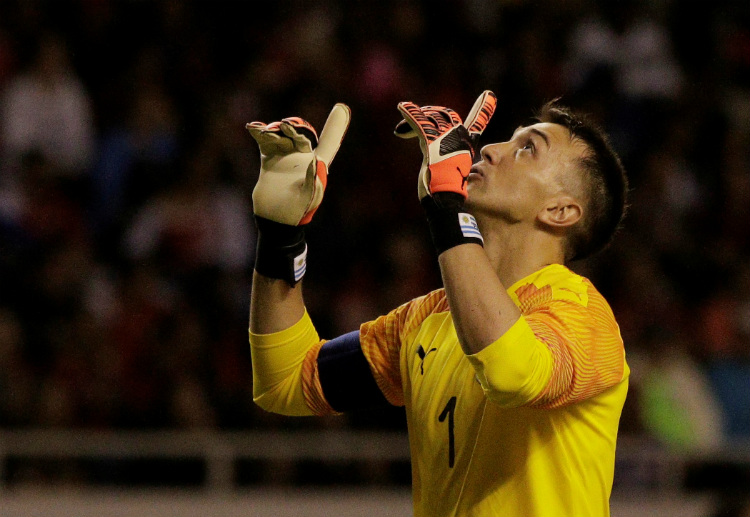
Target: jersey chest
{"points": [[444, 400]]}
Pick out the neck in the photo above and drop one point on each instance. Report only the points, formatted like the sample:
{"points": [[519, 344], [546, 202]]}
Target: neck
{"points": [[516, 250]]}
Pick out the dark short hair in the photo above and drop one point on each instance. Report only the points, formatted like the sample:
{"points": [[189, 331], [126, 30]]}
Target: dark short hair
{"points": [[604, 179]]}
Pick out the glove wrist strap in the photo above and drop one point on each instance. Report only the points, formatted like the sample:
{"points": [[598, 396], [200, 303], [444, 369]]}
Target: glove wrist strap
{"points": [[281, 252], [449, 224]]}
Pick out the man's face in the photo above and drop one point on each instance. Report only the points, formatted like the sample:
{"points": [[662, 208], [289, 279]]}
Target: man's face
{"points": [[514, 179]]}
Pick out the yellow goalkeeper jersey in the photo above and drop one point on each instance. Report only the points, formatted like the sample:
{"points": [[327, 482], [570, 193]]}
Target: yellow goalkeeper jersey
{"points": [[545, 450], [525, 428]]}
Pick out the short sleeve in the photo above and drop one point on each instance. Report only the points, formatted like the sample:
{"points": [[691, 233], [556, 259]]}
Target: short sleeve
{"points": [[587, 350]]}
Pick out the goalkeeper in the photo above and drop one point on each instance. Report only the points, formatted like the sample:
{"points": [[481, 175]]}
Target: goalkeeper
{"points": [[513, 376]]}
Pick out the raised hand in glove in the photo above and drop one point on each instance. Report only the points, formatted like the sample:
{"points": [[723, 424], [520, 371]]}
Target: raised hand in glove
{"points": [[293, 176], [294, 165], [448, 144], [448, 147]]}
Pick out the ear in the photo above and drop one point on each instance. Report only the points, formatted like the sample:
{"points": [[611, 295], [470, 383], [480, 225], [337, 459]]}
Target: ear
{"points": [[561, 212]]}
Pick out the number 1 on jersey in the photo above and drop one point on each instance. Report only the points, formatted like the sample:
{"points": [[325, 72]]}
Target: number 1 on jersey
{"points": [[448, 411]]}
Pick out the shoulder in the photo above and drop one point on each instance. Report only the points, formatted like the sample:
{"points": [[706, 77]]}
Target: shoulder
{"points": [[433, 302], [419, 309], [559, 296], [554, 283], [410, 315]]}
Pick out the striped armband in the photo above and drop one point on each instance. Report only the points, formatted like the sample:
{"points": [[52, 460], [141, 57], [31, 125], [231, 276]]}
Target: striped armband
{"points": [[281, 251], [449, 224]]}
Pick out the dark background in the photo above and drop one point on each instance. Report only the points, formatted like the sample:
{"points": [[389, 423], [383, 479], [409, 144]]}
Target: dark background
{"points": [[126, 236]]}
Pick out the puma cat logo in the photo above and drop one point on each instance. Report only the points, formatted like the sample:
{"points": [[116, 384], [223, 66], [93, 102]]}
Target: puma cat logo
{"points": [[422, 354]]}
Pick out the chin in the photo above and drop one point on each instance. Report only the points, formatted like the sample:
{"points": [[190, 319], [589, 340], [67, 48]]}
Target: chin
{"points": [[473, 196]]}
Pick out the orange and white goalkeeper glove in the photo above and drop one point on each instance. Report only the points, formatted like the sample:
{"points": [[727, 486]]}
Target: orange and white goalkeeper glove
{"points": [[448, 148], [293, 176], [448, 144], [294, 165]]}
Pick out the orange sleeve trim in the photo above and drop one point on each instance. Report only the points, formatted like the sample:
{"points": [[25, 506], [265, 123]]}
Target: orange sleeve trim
{"points": [[311, 387], [384, 363], [383, 338], [587, 350]]}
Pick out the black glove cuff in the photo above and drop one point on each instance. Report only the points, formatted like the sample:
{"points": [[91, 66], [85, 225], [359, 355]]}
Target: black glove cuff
{"points": [[281, 252], [449, 224]]}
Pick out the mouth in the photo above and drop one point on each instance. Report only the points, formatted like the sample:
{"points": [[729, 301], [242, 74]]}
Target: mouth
{"points": [[475, 171]]}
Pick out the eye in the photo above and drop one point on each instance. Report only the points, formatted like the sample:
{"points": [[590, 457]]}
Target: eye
{"points": [[527, 146]]}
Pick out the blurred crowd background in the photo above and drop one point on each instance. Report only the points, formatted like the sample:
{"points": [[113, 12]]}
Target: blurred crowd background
{"points": [[126, 233]]}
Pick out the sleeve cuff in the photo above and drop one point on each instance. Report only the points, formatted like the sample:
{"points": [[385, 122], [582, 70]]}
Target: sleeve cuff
{"points": [[515, 368], [303, 329]]}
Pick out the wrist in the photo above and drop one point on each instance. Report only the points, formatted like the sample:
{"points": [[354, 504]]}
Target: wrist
{"points": [[281, 251], [450, 225]]}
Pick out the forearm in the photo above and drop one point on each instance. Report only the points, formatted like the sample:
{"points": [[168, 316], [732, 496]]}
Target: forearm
{"points": [[274, 305], [280, 338], [481, 308]]}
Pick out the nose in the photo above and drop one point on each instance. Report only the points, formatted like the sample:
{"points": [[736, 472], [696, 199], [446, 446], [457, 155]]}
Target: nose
{"points": [[491, 153]]}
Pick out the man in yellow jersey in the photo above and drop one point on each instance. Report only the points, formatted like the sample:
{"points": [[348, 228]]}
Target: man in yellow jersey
{"points": [[513, 376]]}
